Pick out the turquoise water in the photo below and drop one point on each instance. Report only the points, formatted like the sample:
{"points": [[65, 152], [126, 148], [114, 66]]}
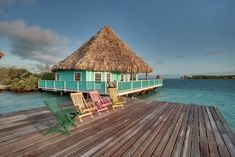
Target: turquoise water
{"points": [[218, 93], [11, 102]]}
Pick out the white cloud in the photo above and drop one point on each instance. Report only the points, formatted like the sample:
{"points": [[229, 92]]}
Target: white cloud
{"points": [[33, 42]]}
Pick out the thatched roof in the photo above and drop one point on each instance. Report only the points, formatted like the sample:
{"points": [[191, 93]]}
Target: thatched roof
{"points": [[1, 54], [104, 52]]}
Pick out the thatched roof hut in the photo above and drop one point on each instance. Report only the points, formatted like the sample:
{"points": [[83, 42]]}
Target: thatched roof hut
{"points": [[104, 52], [1, 54]]}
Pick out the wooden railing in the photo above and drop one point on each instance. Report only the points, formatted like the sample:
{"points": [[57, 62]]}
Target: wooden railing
{"points": [[86, 86]]}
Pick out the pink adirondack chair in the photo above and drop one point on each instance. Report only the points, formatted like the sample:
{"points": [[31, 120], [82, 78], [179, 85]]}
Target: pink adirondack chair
{"points": [[101, 104]]}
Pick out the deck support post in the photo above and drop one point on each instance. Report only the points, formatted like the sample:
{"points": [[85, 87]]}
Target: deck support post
{"points": [[61, 93]]}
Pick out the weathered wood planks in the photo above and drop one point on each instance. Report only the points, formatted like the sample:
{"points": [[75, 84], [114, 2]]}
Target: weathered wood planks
{"points": [[143, 128]]}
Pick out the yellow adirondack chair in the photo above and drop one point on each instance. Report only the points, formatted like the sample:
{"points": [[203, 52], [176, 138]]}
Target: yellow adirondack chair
{"points": [[117, 101], [81, 106]]}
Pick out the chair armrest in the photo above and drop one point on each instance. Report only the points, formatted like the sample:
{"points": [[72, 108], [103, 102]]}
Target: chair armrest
{"points": [[120, 98], [72, 112]]}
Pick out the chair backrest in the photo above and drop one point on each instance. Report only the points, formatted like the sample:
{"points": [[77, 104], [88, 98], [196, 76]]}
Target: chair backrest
{"points": [[95, 96], [57, 110], [78, 101], [113, 93]]}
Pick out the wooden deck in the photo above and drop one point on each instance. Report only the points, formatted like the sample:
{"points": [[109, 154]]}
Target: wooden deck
{"points": [[143, 128]]}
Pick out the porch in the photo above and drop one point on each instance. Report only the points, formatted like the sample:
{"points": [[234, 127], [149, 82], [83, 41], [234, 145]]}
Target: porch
{"points": [[124, 87]]}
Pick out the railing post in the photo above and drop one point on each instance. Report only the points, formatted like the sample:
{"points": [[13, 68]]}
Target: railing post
{"points": [[64, 85], [141, 83], [54, 84], [131, 85], [45, 84], [39, 84], [105, 87], [77, 85], [117, 86]]}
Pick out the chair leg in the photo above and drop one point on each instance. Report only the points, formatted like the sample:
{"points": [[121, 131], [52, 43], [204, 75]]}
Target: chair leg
{"points": [[80, 118], [99, 113], [66, 130]]}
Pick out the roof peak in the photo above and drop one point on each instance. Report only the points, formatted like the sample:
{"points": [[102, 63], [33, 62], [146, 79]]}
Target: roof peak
{"points": [[105, 51], [106, 27]]}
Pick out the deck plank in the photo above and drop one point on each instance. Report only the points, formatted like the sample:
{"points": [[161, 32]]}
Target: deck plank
{"points": [[220, 143], [154, 133], [204, 147], [112, 134], [143, 128], [157, 139], [52, 142]]}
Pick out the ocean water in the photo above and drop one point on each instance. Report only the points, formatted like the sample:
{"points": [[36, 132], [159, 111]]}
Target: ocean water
{"points": [[218, 93], [12, 102]]}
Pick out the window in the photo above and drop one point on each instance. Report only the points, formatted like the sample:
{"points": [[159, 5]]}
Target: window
{"points": [[57, 76], [108, 77], [77, 77], [97, 77]]}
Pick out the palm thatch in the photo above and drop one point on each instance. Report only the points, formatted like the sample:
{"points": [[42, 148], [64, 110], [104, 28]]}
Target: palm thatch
{"points": [[1, 54], [104, 52]]}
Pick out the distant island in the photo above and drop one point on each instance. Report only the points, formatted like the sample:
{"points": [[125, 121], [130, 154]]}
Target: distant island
{"points": [[209, 77]]}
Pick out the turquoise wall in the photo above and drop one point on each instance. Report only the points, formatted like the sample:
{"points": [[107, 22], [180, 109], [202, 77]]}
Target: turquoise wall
{"points": [[68, 75]]}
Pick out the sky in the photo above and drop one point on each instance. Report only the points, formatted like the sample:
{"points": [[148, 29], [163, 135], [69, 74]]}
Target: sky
{"points": [[174, 37]]}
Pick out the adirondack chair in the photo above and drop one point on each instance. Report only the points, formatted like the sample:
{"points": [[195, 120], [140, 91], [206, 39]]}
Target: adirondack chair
{"points": [[65, 117], [100, 104], [117, 101], [81, 106]]}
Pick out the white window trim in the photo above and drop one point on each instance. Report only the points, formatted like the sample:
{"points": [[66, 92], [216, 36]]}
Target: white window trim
{"points": [[56, 76], [77, 73], [98, 73]]}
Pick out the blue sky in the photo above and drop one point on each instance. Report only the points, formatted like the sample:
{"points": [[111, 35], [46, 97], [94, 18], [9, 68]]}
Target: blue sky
{"points": [[174, 37]]}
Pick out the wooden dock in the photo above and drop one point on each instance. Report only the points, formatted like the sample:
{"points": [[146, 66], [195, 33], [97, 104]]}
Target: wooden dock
{"points": [[4, 87], [143, 128]]}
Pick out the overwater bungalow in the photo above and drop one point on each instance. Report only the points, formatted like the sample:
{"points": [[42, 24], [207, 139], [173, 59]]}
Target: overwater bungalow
{"points": [[103, 58]]}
